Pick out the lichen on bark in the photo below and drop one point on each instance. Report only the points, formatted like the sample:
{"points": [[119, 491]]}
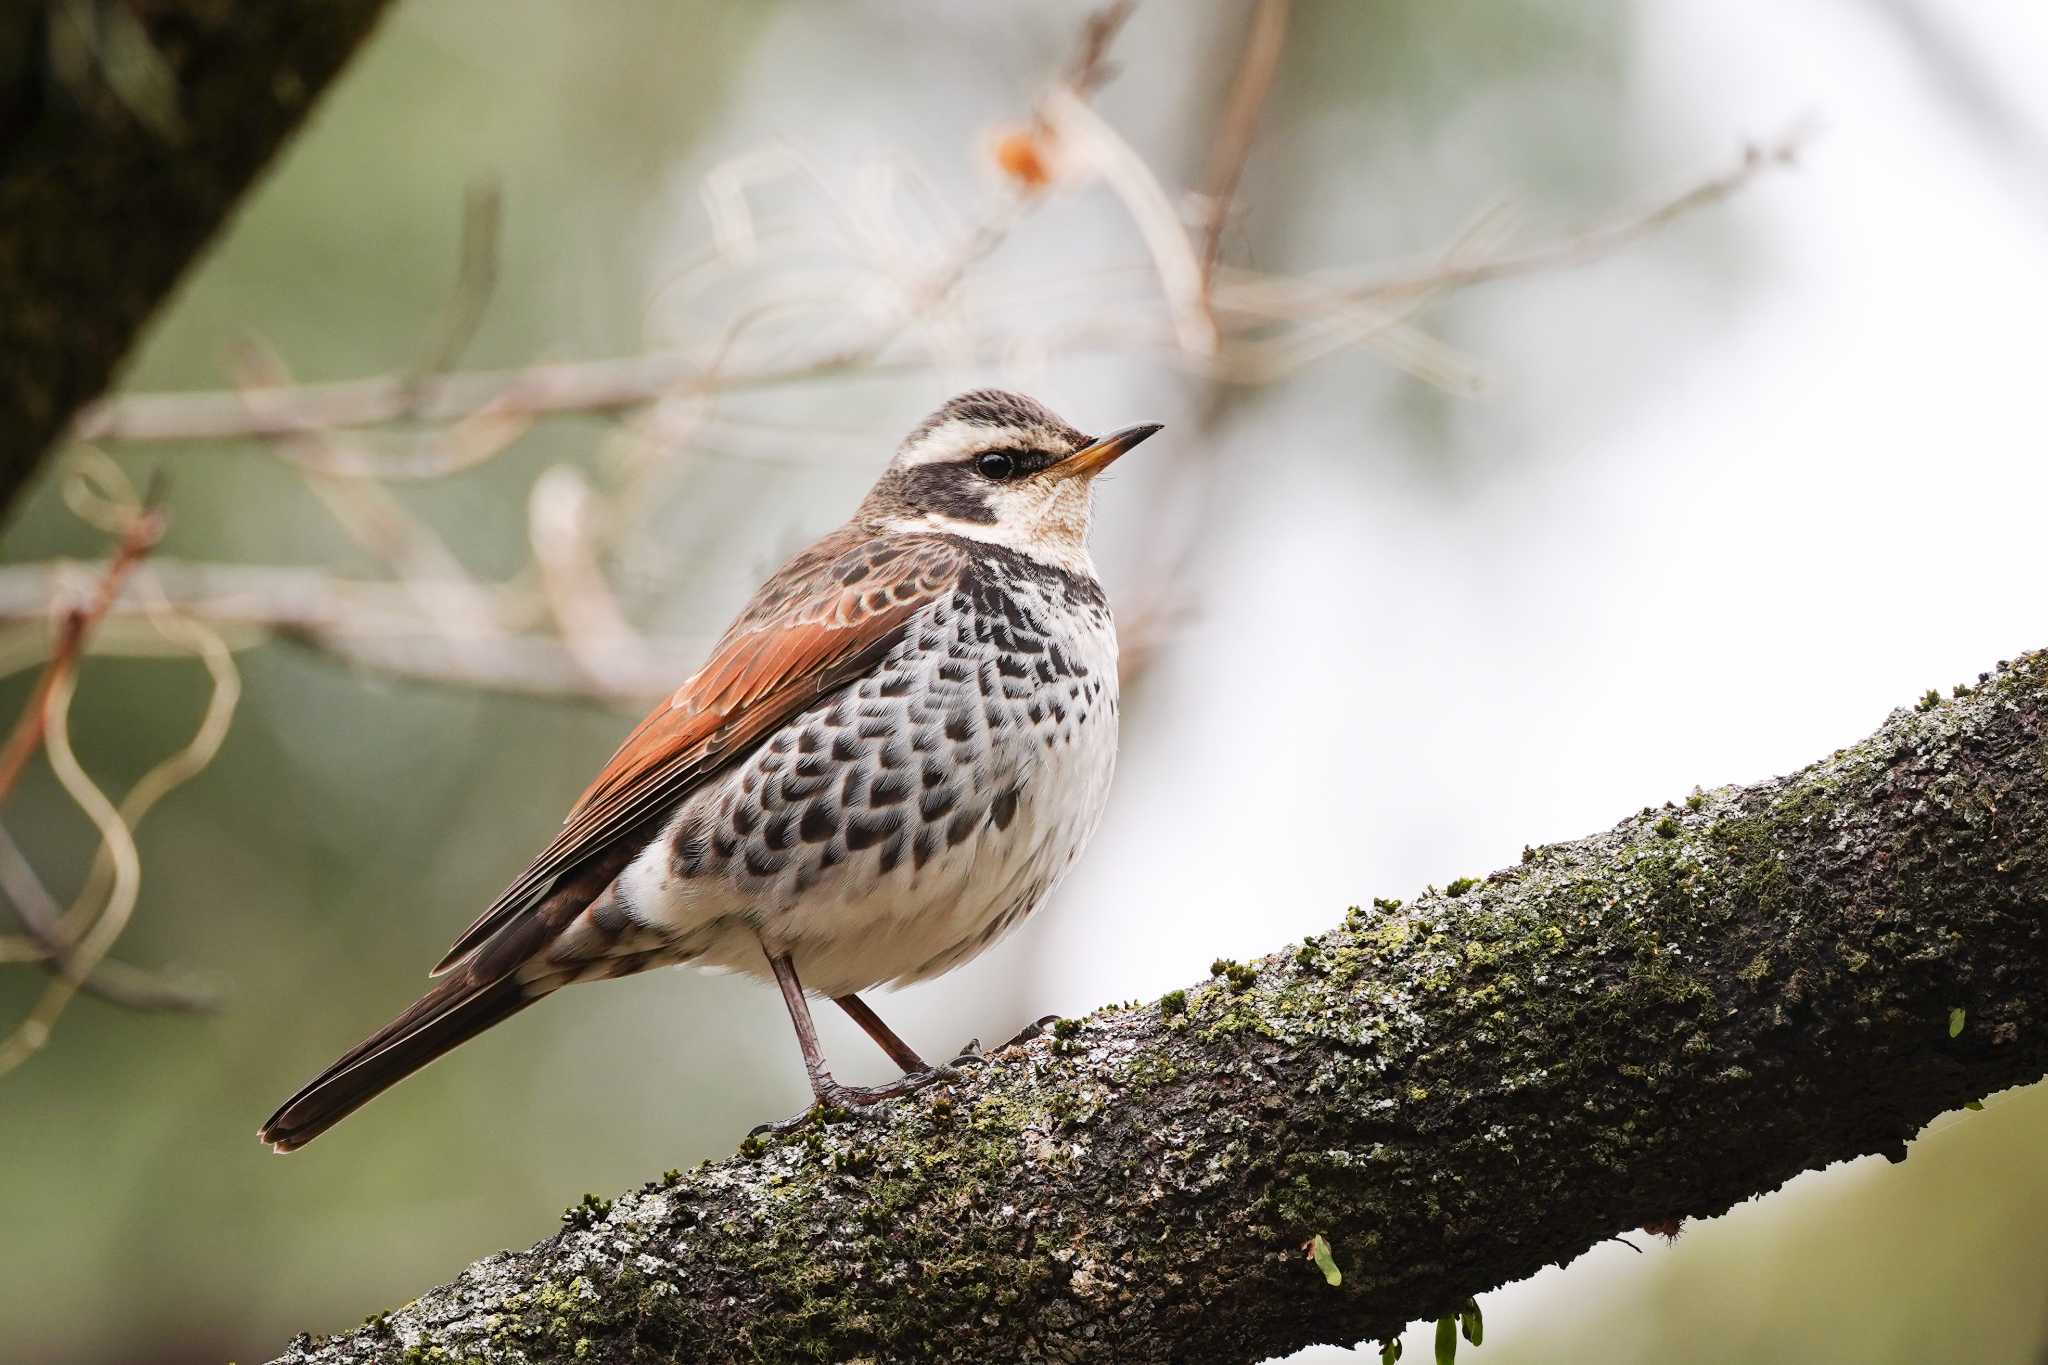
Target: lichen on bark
{"points": [[1650, 1023]]}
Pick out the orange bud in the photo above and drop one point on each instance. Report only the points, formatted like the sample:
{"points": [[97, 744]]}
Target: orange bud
{"points": [[1021, 155]]}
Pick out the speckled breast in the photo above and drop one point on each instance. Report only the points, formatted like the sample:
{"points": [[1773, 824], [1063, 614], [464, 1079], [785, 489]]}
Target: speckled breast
{"points": [[903, 824]]}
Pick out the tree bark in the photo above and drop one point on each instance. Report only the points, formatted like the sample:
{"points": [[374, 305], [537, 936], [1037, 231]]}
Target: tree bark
{"points": [[127, 133], [1650, 1023]]}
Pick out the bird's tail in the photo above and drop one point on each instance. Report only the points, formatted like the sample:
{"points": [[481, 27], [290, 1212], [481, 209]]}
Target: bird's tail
{"points": [[449, 1015], [513, 969]]}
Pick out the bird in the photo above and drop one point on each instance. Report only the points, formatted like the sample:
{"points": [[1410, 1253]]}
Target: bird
{"points": [[895, 753]]}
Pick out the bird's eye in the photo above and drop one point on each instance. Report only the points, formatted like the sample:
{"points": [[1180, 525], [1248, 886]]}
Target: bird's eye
{"points": [[996, 464]]}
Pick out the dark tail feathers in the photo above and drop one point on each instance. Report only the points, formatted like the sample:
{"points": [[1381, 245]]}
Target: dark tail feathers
{"points": [[438, 1022], [484, 991]]}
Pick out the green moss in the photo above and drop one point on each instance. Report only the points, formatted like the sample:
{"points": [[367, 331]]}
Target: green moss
{"points": [[1238, 974], [1459, 886], [1174, 1004], [1389, 936], [1149, 1069], [587, 1212], [1667, 828]]}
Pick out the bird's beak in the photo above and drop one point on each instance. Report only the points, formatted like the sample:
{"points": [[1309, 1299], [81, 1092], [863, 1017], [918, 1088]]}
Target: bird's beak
{"points": [[1100, 453]]}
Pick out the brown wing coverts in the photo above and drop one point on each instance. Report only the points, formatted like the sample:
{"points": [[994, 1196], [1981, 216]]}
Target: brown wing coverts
{"points": [[825, 618]]}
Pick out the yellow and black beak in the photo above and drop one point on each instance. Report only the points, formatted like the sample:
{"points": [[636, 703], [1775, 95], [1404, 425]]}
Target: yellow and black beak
{"points": [[1100, 453]]}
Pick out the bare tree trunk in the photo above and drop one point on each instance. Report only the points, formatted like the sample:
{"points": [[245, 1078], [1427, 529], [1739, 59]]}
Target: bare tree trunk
{"points": [[1652, 1022], [128, 132]]}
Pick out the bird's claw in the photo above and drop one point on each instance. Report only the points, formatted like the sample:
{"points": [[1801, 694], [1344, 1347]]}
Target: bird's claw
{"points": [[836, 1100], [832, 1096], [972, 1053], [1035, 1029]]}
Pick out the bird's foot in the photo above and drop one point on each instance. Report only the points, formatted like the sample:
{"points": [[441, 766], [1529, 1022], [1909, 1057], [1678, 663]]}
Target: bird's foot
{"points": [[971, 1053], [837, 1101]]}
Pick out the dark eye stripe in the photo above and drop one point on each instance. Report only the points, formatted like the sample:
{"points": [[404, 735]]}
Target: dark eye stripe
{"points": [[952, 489], [1022, 461]]}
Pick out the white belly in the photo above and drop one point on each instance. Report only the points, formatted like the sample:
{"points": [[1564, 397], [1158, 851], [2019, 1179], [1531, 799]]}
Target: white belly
{"points": [[894, 831]]}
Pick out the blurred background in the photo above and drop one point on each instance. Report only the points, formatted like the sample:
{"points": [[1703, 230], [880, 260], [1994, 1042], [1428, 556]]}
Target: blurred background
{"points": [[1492, 566]]}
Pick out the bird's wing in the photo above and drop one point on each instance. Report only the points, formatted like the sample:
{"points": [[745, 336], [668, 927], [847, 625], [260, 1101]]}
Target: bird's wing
{"points": [[827, 617]]}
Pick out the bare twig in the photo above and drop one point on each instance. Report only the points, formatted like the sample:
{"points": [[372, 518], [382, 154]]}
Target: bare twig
{"points": [[1242, 301], [594, 630], [141, 536], [1090, 143], [1273, 326], [594, 386], [202, 641], [73, 944], [114, 981], [371, 625], [33, 1032], [81, 937], [1240, 120], [475, 281], [516, 396], [1090, 68], [1602, 240]]}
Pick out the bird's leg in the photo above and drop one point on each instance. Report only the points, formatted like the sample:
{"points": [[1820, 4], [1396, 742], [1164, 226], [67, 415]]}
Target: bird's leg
{"points": [[885, 1037], [806, 1031], [828, 1092]]}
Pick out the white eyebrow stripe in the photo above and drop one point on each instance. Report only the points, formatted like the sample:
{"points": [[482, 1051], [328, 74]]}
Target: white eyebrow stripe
{"points": [[949, 440]]}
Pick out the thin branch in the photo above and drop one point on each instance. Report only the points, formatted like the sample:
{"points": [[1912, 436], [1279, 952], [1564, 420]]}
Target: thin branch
{"points": [[476, 280], [83, 935], [1604, 240], [116, 982], [371, 625], [1093, 146], [1264, 41], [594, 630], [625, 383], [1090, 68], [30, 1035], [199, 640], [1272, 325], [590, 386], [141, 536]]}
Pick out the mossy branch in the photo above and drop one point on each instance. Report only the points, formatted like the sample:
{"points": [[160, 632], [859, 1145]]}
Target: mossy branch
{"points": [[1443, 1096], [127, 135]]}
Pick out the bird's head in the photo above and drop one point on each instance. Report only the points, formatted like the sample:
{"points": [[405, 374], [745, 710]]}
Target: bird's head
{"points": [[999, 467]]}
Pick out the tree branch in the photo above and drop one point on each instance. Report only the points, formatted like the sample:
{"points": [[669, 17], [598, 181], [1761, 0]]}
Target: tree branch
{"points": [[1656, 1021], [113, 116]]}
